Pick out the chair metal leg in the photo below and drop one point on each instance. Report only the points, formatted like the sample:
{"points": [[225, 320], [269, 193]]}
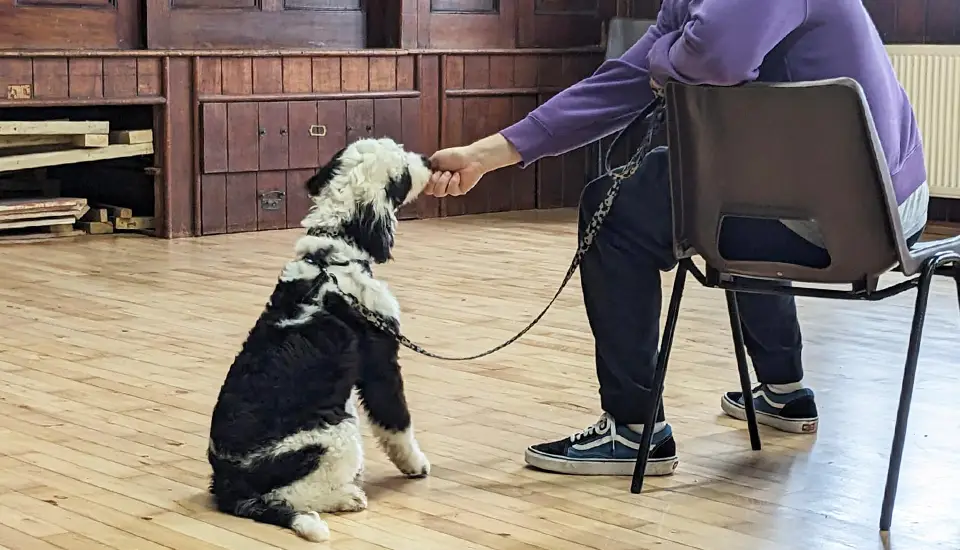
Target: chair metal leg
{"points": [[737, 329], [906, 394], [659, 377], [956, 278]]}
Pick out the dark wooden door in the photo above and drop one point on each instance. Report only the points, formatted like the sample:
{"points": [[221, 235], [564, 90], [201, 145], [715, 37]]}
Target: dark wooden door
{"points": [[255, 24], [466, 24], [69, 24], [562, 23]]}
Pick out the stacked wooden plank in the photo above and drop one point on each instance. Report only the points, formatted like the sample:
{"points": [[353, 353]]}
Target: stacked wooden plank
{"points": [[27, 148], [52, 217], [35, 144]]}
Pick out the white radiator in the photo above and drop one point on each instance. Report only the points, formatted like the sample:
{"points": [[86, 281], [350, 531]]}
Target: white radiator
{"points": [[931, 76]]}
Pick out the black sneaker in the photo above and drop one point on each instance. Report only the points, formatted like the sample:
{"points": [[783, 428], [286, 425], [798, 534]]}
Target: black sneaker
{"points": [[794, 412], [605, 449]]}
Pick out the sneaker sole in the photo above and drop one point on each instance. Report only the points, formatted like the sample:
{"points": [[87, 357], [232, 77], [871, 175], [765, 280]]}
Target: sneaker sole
{"points": [[790, 425], [655, 467]]}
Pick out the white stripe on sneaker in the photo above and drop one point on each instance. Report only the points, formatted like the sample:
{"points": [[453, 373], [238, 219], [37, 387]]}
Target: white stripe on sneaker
{"points": [[771, 402], [606, 439]]}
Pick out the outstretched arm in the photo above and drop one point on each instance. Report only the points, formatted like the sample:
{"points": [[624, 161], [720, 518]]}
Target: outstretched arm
{"points": [[597, 106]]}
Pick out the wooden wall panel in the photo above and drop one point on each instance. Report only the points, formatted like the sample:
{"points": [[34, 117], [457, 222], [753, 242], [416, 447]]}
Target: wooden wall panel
{"points": [[271, 190], [467, 24], [428, 76], [274, 143], [298, 201], [180, 210], [83, 24], [211, 24], [303, 147], [288, 115], [81, 78], [916, 21], [482, 95], [562, 23]]}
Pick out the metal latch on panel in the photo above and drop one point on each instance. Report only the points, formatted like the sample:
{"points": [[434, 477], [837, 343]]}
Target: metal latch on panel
{"points": [[271, 200]]}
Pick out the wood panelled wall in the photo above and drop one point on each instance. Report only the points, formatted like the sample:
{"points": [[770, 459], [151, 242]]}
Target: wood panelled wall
{"points": [[238, 131], [263, 124], [237, 134]]}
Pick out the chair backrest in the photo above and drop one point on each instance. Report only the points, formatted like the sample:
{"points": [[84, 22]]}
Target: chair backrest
{"points": [[799, 151], [623, 33]]}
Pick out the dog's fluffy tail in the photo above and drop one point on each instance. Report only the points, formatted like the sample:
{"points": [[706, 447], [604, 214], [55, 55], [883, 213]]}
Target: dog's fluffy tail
{"points": [[308, 525], [243, 501]]}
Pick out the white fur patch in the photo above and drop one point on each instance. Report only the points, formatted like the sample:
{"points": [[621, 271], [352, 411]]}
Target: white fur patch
{"points": [[403, 450], [332, 486], [311, 527]]}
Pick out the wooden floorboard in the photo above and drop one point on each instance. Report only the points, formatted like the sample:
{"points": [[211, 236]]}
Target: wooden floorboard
{"points": [[113, 349]]}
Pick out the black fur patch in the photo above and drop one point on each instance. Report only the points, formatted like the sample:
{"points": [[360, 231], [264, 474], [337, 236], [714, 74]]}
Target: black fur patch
{"points": [[324, 175], [371, 232], [398, 189]]}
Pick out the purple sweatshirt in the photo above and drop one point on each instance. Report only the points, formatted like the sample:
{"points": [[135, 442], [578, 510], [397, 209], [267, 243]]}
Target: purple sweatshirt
{"points": [[728, 42]]}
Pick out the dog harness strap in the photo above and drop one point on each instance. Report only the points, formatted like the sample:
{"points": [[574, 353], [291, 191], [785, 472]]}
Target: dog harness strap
{"points": [[657, 113]]}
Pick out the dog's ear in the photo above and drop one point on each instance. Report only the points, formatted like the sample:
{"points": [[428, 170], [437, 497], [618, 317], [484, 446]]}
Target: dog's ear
{"points": [[324, 175], [372, 232]]}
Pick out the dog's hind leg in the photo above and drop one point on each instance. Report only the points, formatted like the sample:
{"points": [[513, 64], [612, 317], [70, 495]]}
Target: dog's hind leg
{"points": [[381, 390], [333, 485]]}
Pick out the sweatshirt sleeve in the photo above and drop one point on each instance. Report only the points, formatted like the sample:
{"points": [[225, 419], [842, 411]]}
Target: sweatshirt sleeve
{"points": [[595, 107], [723, 42]]}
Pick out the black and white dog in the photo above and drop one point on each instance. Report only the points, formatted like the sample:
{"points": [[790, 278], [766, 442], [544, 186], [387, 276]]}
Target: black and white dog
{"points": [[285, 439]]}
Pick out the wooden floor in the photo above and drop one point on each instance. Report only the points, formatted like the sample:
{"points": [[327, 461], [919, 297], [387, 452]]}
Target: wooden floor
{"points": [[112, 351]]}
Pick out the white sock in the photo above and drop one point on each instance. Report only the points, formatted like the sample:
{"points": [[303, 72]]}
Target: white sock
{"points": [[658, 427], [785, 388]]}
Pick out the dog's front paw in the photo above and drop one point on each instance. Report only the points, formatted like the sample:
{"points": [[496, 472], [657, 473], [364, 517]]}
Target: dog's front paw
{"points": [[417, 466]]}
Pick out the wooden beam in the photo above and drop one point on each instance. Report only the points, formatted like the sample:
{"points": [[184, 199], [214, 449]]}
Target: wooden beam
{"points": [[53, 127], [131, 137], [135, 224], [91, 140], [96, 228], [72, 156], [7, 142], [39, 222]]}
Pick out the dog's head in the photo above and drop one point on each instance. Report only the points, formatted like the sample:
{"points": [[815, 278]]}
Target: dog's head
{"points": [[357, 194]]}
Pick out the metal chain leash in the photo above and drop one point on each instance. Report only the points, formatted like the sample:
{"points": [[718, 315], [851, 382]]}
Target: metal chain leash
{"points": [[656, 113]]}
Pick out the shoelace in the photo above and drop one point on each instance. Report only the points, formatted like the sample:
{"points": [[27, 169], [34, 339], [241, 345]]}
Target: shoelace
{"points": [[599, 426]]}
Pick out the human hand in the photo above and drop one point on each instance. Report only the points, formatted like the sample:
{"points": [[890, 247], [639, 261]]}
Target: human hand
{"points": [[456, 171]]}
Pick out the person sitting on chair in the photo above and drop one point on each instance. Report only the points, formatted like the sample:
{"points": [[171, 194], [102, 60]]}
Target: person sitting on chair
{"points": [[710, 42]]}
